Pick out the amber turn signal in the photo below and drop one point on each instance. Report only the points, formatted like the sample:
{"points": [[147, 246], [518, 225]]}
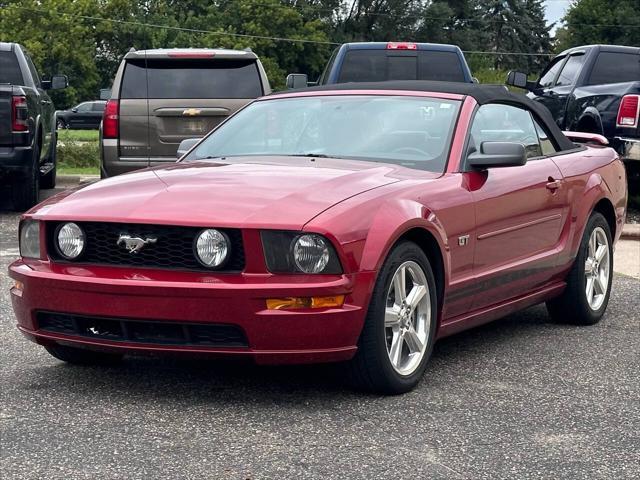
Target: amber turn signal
{"points": [[289, 303], [19, 285]]}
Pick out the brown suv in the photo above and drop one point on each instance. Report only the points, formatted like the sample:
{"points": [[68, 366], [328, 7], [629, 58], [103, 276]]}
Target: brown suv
{"points": [[161, 97]]}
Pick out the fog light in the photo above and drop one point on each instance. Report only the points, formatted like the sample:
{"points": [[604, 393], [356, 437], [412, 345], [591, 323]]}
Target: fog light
{"points": [[292, 303]]}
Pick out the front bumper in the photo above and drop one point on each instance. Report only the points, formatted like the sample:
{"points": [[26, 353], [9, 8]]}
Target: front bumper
{"points": [[273, 336], [629, 148]]}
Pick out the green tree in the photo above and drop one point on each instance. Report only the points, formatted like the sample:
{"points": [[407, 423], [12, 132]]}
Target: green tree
{"points": [[600, 21]]}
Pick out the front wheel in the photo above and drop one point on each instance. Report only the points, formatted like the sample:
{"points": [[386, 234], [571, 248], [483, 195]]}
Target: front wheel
{"points": [[586, 297], [398, 334]]}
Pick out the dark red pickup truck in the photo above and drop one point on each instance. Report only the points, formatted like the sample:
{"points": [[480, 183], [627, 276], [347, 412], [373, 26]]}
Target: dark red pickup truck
{"points": [[594, 89], [27, 126]]}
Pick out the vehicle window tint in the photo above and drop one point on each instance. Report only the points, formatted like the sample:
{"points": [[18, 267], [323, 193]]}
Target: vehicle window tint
{"points": [[192, 79], [445, 66], [323, 78], [9, 69], [98, 107], [383, 65], [84, 107], [504, 123], [570, 71], [32, 69], [546, 144], [364, 66], [613, 67], [547, 78]]}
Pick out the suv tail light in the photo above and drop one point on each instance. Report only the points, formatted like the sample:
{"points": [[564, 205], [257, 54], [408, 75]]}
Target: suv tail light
{"points": [[110, 120], [628, 111], [19, 115], [401, 46]]}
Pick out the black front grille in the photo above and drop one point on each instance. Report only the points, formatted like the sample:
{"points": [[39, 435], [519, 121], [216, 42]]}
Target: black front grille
{"points": [[173, 248], [143, 331]]}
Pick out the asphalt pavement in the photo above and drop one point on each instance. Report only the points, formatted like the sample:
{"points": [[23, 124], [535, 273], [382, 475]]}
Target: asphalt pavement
{"points": [[519, 398]]}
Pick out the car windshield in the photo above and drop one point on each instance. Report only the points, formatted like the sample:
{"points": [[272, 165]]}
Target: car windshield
{"points": [[411, 131]]}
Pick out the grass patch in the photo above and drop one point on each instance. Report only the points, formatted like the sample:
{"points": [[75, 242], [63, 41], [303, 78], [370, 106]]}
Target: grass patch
{"points": [[65, 170], [77, 135]]}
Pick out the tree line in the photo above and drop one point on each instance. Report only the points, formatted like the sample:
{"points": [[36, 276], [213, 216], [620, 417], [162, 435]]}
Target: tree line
{"points": [[86, 39]]}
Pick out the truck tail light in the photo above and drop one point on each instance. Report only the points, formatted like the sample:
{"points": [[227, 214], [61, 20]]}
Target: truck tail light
{"points": [[628, 111], [19, 115], [401, 46], [111, 120]]}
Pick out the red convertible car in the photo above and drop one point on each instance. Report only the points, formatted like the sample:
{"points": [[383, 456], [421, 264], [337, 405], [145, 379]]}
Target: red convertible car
{"points": [[356, 223]]}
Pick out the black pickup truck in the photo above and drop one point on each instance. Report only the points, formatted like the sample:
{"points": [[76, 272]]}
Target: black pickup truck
{"points": [[27, 127], [594, 89]]}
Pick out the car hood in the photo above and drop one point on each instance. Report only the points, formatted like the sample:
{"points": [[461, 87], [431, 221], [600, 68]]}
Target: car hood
{"points": [[280, 192]]}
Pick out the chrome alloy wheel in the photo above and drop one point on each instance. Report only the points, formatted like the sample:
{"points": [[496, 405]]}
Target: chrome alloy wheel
{"points": [[597, 268], [407, 318]]}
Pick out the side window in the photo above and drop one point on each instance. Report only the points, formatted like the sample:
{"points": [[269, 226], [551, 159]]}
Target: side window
{"points": [[615, 67], [84, 107], [546, 145], [570, 71], [549, 75], [323, 78], [98, 107], [505, 123], [32, 69]]}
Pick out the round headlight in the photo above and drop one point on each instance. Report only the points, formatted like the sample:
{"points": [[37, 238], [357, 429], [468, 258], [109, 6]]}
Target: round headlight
{"points": [[70, 241], [212, 247], [311, 253]]}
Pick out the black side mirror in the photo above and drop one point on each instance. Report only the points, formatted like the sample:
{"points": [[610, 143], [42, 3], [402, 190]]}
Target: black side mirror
{"points": [[59, 82], [186, 145], [497, 154], [519, 79], [297, 80], [74, 109]]}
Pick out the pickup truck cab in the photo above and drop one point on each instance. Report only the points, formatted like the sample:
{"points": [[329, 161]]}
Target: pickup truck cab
{"points": [[594, 89], [383, 61], [27, 126]]}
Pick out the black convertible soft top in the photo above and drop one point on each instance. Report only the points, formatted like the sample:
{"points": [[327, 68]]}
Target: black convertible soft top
{"points": [[483, 94]]}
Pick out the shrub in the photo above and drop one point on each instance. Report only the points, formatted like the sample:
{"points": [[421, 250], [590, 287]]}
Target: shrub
{"points": [[76, 154]]}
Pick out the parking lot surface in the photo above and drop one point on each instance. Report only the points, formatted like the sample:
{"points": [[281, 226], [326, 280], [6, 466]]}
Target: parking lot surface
{"points": [[519, 398]]}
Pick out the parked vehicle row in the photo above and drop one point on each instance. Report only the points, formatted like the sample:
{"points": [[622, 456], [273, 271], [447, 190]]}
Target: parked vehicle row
{"points": [[27, 126], [594, 89], [356, 223], [85, 115]]}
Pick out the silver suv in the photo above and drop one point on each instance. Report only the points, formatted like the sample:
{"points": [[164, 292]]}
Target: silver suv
{"points": [[161, 97]]}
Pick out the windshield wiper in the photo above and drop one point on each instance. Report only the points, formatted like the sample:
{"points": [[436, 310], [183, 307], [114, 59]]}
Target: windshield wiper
{"points": [[310, 155]]}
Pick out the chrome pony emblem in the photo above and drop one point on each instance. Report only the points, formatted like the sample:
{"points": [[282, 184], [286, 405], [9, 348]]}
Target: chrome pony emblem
{"points": [[134, 244]]}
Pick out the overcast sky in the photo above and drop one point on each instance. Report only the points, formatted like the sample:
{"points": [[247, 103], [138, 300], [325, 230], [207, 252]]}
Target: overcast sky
{"points": [[555, 10]]}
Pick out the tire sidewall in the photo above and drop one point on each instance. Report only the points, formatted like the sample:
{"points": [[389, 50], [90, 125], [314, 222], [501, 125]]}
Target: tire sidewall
{"points": [[406, 251], [596, 220]]}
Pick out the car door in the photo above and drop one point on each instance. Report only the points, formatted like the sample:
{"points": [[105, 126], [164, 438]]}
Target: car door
{"points": [[545, 92], [519, 210], [80, 115], [46, 107], [97, 109], [563, 88]]}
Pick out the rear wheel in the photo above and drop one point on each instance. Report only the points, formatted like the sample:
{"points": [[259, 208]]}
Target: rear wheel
{"points": [[586, 297], [398, 334], [78, 356], [25, 191]]}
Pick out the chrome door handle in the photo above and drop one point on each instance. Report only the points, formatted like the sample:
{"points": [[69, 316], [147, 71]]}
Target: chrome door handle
{"points": [[553, 185]]}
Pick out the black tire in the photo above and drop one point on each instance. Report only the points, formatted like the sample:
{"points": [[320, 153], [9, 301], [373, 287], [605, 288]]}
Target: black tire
{"points": [[25, 192], [61, 124], [48, 181], [79, 356], [371, 368], [573, 306]]}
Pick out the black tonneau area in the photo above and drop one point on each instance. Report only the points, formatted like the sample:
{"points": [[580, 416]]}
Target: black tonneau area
{"points": [[6, 137]]}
